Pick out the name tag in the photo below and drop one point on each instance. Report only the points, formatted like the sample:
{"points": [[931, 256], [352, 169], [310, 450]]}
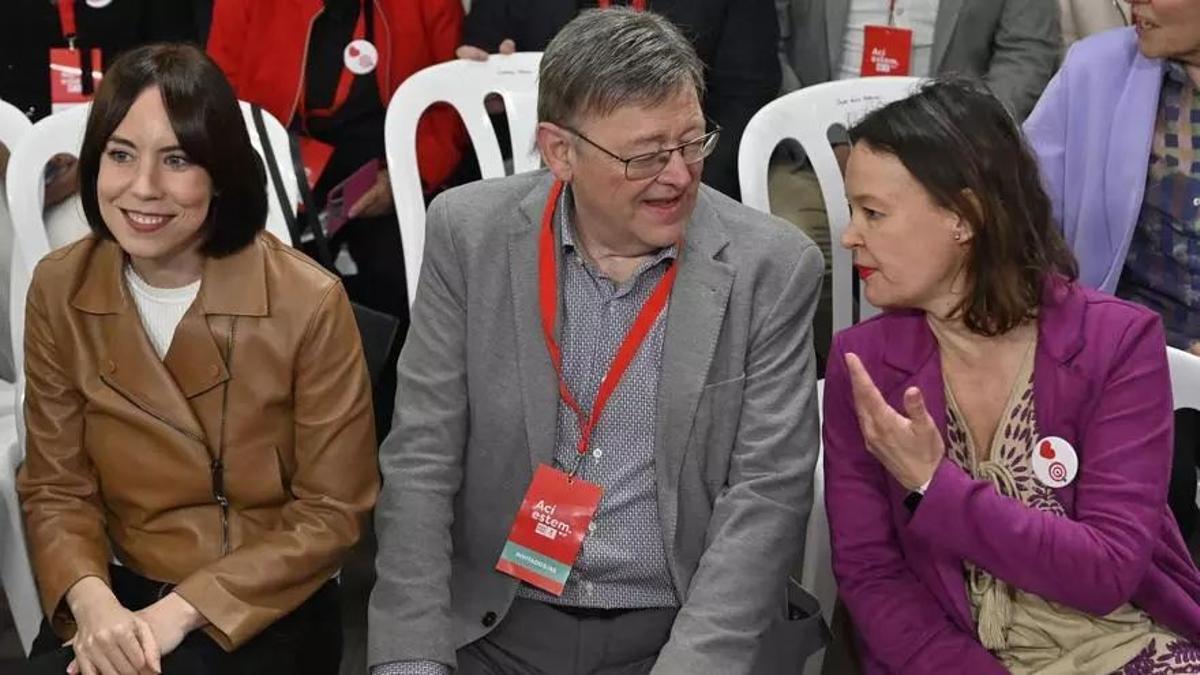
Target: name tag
{"points": [[67, 86], [549, 529], [886, 51]]}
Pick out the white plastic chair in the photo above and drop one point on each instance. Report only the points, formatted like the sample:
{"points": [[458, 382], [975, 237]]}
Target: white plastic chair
{"points": [[464, 85], [816, 570], [15, 573], [805, 116]]}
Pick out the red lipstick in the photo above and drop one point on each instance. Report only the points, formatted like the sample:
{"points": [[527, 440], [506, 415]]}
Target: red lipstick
{"points": [[864, 272]]}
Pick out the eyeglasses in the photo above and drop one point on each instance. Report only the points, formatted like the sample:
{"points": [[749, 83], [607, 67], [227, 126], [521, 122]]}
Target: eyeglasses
{"points": [[650, 164]]}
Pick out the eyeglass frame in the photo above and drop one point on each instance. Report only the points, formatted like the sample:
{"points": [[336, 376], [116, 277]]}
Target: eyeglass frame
{"points": [[715, 135]]}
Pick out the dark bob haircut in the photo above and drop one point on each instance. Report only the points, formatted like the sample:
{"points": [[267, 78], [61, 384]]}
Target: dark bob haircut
{"points": [[960, 143], [207, 120]]}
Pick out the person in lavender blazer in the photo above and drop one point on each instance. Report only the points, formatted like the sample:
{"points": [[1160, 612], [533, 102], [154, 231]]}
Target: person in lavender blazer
{"points": [[953, 558], [1116, 138]]}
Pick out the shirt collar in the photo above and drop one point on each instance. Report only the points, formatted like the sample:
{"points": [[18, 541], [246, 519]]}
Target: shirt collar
{"points": [[1177, 72], [566, 210]]}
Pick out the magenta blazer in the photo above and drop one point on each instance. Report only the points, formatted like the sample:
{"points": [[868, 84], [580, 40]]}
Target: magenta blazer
{"points": [[1101, 382]]}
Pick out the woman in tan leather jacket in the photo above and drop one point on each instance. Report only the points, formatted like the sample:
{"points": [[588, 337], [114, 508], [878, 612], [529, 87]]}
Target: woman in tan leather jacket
{"points": [[200, 448]]}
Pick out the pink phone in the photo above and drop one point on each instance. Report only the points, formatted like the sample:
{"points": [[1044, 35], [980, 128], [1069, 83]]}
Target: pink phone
{"points": [[346, 193]]}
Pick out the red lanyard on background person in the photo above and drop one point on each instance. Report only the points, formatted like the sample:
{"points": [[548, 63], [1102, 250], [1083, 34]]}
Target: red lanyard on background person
{"points": [[548, 302], [637, 5], [364, 29], [66, 16]]}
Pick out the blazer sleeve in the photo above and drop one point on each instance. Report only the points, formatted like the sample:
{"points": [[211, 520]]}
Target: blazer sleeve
{"points": [[440, 134], [409, 617], [1046, 132], [227, 34], [744, 76], [333, 488], [1025, 51], [898, 617], [1095, 560], [755, 531], [59, 489]]}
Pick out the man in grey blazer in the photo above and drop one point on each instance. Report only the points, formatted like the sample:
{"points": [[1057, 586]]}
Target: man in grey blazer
{"points": [[705, 449], [1013, 45]]}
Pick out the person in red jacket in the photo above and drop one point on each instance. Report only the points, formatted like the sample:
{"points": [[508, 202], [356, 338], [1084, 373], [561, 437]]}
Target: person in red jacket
{"points": [[297, 59], [287, 56]]}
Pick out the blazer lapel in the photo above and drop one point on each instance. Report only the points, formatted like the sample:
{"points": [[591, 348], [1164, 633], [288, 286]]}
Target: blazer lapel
{"points": [[1059, 388], [128, 362], [539, 384], [943, 30], [915, 362], [694, 318], [171, 389], [1124, 180]]}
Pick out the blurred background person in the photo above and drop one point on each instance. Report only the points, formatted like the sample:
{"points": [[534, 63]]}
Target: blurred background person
{"points": [[1127, 194]]}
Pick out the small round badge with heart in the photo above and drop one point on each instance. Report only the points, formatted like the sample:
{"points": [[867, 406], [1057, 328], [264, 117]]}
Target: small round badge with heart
{"points": [[360, 57], [1055, 462]]}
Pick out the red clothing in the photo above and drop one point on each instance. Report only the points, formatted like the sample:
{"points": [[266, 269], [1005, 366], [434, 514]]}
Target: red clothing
{"points": [[262, 44]]}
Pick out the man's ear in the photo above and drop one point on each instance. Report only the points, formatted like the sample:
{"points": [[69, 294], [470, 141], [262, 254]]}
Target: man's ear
{"points": [[558, 150]]}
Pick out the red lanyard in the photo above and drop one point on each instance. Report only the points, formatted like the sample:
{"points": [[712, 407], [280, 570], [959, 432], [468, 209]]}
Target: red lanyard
{"points": [[548, 300], [66, 15], [346, 78], [637, 5]]}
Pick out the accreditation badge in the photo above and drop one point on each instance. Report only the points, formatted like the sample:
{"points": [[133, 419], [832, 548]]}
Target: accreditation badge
{"points": [[887, 50]]}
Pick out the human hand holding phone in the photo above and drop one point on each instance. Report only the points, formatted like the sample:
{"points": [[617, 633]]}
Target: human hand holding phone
{"points": [[366, 192]]}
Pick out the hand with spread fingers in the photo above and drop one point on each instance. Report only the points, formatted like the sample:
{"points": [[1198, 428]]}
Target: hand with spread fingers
{"points": [[910, 448]]}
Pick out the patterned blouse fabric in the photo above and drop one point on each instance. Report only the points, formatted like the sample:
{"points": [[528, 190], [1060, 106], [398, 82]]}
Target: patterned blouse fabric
{"points": [[1030, 635]]}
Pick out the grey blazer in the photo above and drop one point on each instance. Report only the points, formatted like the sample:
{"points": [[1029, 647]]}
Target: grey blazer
{"points": [[1013, 45], [736, 434]]}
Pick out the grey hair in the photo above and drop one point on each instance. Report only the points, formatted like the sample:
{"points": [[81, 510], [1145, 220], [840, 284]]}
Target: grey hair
{"points": [[605, 59]]}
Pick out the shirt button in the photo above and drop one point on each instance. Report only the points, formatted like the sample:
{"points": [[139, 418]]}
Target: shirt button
{"points": [[587, 587], [488, 620], [597, 453], [591, 527]]}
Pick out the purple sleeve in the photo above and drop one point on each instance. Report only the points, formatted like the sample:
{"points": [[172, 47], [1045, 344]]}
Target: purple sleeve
{"points": [[899, 619]]}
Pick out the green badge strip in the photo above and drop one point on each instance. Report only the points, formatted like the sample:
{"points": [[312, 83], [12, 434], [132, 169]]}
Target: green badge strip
{"points": [[535, 562]]}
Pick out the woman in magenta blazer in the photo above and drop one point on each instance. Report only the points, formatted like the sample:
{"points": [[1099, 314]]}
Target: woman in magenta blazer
{"points": [[997, 445]]}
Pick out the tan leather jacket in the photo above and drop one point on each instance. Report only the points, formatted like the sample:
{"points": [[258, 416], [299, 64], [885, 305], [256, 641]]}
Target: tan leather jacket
{"points": [[265, 371]]}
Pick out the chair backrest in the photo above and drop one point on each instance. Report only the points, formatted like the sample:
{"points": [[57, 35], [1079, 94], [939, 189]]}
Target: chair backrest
{"points": [[816, 569], [464, 85], [62, 133], [805, 116], [1185, 378], [16, 574], [14, 126]]}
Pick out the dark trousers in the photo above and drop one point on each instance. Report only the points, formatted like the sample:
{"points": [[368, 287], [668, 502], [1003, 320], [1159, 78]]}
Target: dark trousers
{"points": [[538, 639], [306, 642], [1182, 491]]}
